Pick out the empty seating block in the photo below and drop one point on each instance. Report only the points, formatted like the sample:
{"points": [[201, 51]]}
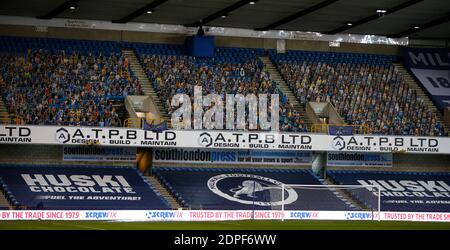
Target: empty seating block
{"points": [[78, 187], [401, 191], [211, 188]]}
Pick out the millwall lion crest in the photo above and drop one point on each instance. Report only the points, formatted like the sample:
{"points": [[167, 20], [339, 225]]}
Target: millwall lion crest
{"points": [[249, 188], [247, 191]]}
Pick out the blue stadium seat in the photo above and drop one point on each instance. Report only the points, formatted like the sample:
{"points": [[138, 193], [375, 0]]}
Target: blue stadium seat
{"points": [[190, 185], [125, 189], [401, 191]]}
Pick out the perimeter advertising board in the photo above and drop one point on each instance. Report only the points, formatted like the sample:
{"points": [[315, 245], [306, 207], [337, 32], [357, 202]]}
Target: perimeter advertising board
{"points": [[353, 159], [130, 137], [87, 153], [208, 156]]}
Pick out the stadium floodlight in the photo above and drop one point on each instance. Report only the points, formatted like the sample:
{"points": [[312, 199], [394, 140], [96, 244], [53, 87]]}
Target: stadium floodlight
{"points": [[72, 7], [368, 197], [349, 24], [252, 2], [149, 12], [416, 27]]}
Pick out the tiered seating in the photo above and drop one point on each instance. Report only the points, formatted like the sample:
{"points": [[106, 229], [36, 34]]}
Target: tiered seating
{"points": [[429, 69], [193, 188], [400, 191], [65, 82], [51, 187], [230, 71], [20, 46], [5, 192], [365, 89], [4, 202]]}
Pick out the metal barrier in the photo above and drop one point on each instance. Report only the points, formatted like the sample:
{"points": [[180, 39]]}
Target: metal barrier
{"points": [[323, 128]]}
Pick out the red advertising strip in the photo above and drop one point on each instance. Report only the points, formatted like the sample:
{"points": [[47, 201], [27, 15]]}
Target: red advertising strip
{"points": [[217, 215], [411, 216]]}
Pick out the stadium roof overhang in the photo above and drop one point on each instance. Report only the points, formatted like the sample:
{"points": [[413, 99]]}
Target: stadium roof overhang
{"points": [[392, 18]]}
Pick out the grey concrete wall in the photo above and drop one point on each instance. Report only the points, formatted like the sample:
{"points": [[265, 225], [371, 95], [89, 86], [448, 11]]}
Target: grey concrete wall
{"points": [[410, 162], [52, 155], [333, 115], [43, 154], [344, 47]]}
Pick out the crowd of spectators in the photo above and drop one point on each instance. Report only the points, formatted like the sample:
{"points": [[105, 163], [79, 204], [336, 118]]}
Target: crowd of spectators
{"points": [[179, 74], [58, 88], [45, 88], [375, 96]]}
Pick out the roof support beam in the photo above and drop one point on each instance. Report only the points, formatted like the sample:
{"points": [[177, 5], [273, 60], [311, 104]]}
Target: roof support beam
{"points": [[219, 13], [424, 26], [297, 15], [140, 11], [373, 17], [58, 10]]}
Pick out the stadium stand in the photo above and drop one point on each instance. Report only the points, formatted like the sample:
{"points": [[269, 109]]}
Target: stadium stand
{"points": [[5, 117], [428, 73], [174, 204], [284, 87], [417, 86], [230, 71], [400, 191], [48, 155], [64, 82], [365, 89], [147, 87], [51, 187], [192, 188], [4, 203], [93, 75]]}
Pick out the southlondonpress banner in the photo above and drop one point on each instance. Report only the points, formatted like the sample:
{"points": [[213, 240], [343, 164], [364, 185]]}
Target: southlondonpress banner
{"points": [[180, 155], [130, 137], [216, 215], [339, 159], [85, 153]]}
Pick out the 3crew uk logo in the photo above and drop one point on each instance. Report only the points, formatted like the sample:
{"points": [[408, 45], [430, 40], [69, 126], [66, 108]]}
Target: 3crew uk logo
{"points": [[247, 191]]}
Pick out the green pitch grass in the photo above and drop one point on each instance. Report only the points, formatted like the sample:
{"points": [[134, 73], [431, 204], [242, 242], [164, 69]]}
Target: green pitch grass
{"points": [[228, 225]]}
